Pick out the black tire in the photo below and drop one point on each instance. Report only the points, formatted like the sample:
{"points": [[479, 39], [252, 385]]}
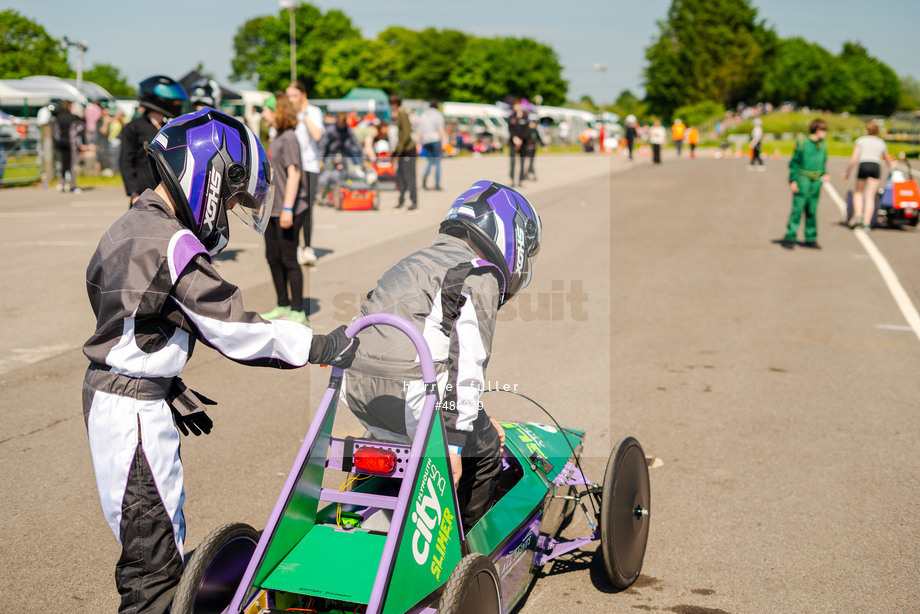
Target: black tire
{"points": [[625, 507], [473, 588], [215, 570]]}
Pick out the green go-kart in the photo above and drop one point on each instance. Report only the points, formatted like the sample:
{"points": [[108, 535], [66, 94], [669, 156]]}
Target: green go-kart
{"points": [[392, 543]]}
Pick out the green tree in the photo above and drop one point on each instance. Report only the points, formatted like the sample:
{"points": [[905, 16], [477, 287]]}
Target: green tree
{"points": [[910, 94], [628, 103], [877, 88], [706, 50], [809, 75], [27, 49], [262, 45], [111, 79], [491, 69], [433, 61], [350, 63]]}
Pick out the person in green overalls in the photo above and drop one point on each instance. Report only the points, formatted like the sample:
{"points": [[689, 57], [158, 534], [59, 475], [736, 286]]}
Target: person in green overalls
{"points": [[807, 171]]}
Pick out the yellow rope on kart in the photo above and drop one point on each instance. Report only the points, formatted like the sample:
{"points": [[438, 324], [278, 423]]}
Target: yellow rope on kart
{"points": [[345, 484]]}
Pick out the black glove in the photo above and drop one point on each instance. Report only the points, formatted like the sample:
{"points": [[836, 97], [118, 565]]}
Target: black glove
{"points": [[188, 409], [334, 349]]}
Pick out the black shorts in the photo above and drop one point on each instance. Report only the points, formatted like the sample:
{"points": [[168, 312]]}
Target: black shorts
{"points": [[869, 169]]}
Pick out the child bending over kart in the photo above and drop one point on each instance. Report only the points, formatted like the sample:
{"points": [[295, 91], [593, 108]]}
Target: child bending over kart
{"points": [[155, 292], [451, 291], [338, 149]]}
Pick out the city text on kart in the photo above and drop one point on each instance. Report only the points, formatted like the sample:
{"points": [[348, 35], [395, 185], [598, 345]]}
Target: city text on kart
{"points": [[392, 541]]}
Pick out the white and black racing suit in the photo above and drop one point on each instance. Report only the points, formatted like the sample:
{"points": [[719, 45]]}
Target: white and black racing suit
{"points": [[155, 292], [451, 297]]}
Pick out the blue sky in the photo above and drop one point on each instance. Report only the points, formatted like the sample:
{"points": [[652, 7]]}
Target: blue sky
{"points": [[583, 32]]}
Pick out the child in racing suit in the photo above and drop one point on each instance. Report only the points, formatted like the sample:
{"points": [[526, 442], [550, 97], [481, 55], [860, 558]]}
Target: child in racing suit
{"points": [[155, 292], [451, 291]]}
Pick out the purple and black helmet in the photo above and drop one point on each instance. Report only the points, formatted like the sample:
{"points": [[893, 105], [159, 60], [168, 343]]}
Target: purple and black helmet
{"points": [[211, 163], [504, 226]]}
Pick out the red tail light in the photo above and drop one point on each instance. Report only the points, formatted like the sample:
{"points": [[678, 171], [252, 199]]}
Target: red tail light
{"points": [[375, 460]]}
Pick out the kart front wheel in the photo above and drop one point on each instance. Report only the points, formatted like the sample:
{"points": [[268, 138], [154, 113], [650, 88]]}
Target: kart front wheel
{"points": [[625, 506], [473, 588], [215, 570]]}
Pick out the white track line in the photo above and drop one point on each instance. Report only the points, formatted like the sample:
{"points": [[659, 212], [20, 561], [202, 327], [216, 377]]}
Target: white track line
{"points": [[891, 280]]}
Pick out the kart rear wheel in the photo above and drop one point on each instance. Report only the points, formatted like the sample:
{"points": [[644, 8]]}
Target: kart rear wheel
{"points": [[215, 570], [625, 507], [473, 588]]}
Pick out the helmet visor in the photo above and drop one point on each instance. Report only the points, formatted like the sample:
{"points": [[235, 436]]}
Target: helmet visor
{"points": [[527, 273], [170, 91], [254, 209]]}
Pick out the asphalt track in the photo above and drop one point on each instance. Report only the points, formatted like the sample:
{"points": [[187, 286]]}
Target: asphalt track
{"points": [[776, 389]]}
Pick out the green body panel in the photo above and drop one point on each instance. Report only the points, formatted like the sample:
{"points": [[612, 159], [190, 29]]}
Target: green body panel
{"points": [[300, 513], [330, 563], [429, 547], [523, 439]]}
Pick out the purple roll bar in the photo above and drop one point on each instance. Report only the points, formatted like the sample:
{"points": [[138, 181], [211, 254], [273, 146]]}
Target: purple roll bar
{"points": [[402, 501]]}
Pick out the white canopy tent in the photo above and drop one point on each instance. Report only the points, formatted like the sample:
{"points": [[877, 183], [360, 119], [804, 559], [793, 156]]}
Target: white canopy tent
{"points": [[11, 95], [57, 88]]}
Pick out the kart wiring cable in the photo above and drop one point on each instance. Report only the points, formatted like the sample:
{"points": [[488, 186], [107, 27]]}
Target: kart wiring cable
{"points": [[346, 484], [564, 430]]}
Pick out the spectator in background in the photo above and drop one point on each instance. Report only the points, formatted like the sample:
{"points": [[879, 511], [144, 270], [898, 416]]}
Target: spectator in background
{"points": [[116, 125], [91, 116], [632, 133], [289, 211], [5, 120], [433, 138], [530, 151], [364, 131], [693, 139], [103, 153], [68, 132], [405, 154], [756, 144], [309, 131], [162, 98], [677, 134], [520, 131], [657, 136], [377, 143], [869, 152], [564, 132]]}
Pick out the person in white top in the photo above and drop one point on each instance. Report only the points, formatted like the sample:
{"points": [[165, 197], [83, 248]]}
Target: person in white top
{"points": [[868, 151], [756, 143], [433, 138], [309, 131], [657, 135]]}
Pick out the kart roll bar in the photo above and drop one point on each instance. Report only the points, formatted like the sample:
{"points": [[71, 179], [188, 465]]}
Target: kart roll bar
{"points": [[309, 451]]}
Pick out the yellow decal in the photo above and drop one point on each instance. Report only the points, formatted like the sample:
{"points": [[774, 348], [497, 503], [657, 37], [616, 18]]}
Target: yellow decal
{"points": [[447, 523]]}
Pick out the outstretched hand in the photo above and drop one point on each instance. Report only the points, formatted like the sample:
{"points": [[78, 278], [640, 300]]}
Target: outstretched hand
{"points": [[334, 349]]}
